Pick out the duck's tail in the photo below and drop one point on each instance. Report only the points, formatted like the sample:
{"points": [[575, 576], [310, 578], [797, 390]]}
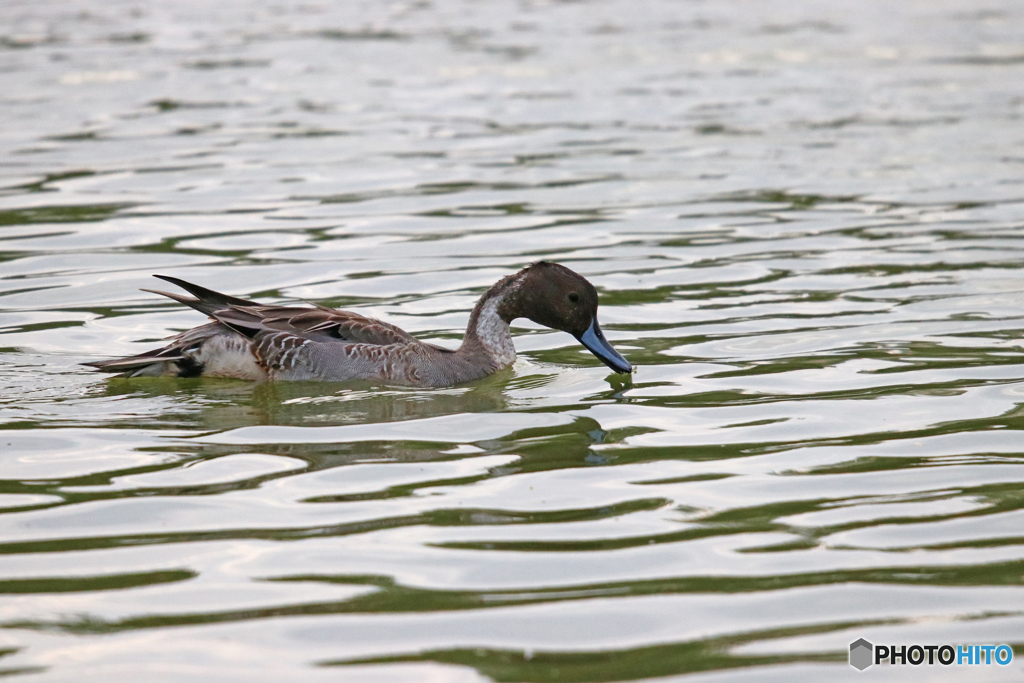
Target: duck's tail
{"points": [[179, 358], [157, 363]]}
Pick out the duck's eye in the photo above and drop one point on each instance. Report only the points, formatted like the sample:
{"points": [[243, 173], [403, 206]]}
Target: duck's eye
{"points": [[574, 297]]}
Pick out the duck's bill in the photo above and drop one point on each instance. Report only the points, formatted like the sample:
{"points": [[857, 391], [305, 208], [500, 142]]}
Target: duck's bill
{"points": [[595, 342]]}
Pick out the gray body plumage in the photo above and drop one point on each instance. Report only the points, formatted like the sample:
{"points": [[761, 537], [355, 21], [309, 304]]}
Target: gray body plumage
{"points": [[247, 340]]}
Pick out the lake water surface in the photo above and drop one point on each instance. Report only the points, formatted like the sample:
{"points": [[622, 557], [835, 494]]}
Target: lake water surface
{"points": [[806, 224]]}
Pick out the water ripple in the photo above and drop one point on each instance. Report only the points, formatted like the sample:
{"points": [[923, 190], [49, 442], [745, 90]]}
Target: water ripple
{"points": [[804, 224]]}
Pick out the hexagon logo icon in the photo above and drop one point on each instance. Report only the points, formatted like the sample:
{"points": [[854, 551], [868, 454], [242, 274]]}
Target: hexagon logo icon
{"points": [[861, 654]]}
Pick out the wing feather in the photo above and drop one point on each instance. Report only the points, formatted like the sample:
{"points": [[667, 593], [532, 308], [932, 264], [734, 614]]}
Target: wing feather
{"points": [[319, 323]]}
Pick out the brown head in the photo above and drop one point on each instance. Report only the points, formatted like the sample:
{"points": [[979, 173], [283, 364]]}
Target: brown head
{"points": [[554, 296]]}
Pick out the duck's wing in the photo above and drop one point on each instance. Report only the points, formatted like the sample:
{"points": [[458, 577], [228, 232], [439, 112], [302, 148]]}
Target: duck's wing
{"points": [[318, 324]]}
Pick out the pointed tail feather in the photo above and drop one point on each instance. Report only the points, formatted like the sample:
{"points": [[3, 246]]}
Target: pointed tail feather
{"points": [[213, 304], [207, 296], [200, 306]]}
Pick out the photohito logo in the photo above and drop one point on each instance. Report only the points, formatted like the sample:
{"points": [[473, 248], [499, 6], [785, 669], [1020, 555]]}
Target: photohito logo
{"points": [[863, 654]]}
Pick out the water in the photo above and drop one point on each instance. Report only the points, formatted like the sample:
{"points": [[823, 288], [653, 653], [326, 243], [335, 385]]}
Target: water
{"points": [[804, 219]]}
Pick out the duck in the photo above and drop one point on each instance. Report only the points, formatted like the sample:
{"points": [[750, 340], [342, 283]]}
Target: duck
{"points": [[251, 341]]}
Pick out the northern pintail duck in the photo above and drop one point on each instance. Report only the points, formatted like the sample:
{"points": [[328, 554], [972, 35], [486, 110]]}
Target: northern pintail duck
{"points": [[247, 340]]}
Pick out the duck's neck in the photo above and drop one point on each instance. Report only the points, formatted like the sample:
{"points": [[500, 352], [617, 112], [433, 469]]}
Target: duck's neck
{"points": [[488, 331]]}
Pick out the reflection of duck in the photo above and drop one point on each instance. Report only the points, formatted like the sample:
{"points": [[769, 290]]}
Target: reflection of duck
{"points": [[251, 341], [217, 405]]}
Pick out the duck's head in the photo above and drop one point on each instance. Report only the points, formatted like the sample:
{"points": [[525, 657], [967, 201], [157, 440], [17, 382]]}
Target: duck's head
{"points": [[554, 296]]}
